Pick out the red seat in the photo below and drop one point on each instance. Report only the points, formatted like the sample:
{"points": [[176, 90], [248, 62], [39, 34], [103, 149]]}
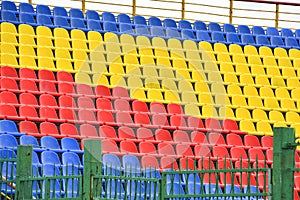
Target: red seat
{"points": [[267, 141], [156, 107], [269, 155], [28, 85], [147, 148], [297, 183], [124, 118], [102, 91], [66, 101], [163, 135], [122, 105], [174, 109], [107, 132], [7, 97], [29, 128], [253, 141], [84, 89], [181, 136], [297, 156], [29, 113], [183, 150], [234, 140], [125, 132], [48, 100], [238, 153], [27, 73], [256, 155], [168, 163], [220, 152], [120, 92], [64, 76], [144, 134], [66, 88], [142, 119], [202, 151], [69, 130], [28, 99], [213, 125], [87, 116], [261, 177], [6, 71], [48, 128], [44, 74], [104, 104], [178, 121], [166, 149], [9, 84], [296, 195], [49, 114], [47, 87], [217, 139], [187, 164], [106, 117], [85, 103], [196, 123], [149, 162], [110, 146], [160, 120], [227, 177], [128, 147], [231, 126], [67, 115], [139, 106], [87, 130], [244, 177], [207, 164], [199, 138]]}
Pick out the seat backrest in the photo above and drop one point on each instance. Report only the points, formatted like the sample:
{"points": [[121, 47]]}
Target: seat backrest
{"points": [[7, 140], [49, 142], [69, 144], [128, 147], [88, 130], [50, 157], [70, 158]]}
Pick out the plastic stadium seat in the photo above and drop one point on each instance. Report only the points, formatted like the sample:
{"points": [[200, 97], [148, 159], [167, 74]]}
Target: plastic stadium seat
{"points": [[286, 32], [50, 157], [147, 148], [76, 13], [244, 29], [126, 28], [272, 31], [277, 41], [229, 28], [149, 162], [262, 40], [172, 33], [267, 141], [252, 141], [61, 22], [258, 30], [139, 20], [50, 143], [175, 189], [187, 34], [49, 114], [291, 42], [94, 25], [70, 144], [154, 21], [103, 104], [7, 97], [125, 132], [184, 150], [8, 5], [157, 31], [163, 135], [217, 139], [87, 116], [218, 37], [234, 140], [8, 141], [60, 11], [120, 92], [50, 169], [166, 149], [110, 146], [213, 125], [71, 159], [231, 126], [139, 106], [213, 26], [199, 25], [170, 23], [233, 38], [92, 15], [85, 103], [128, 147], [168, 163], [181, 136], [27, 18], [9, 16], [144, 134], [248, 39], [124, 118], [78, 23], [88, 130], [106, 117], [43, 9], [238, 153], [108, 132], [9, 127], [123, 18], [220, 152]]}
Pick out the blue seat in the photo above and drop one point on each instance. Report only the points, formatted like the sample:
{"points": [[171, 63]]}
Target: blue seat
{"points": [[258, 30], [7, 153], [26, 8], [8, 126], [194, 186], [9, 5], [71, 185], [123, 18], [70, 144], [44, 20], [140, 20], [291, 42], [35, 159], [111, 164], [200, 26], [50, 157], [72, 159], [252, 189], [297, 33], [76, 13], [233, 38], [243, 29], [50, 143], [108, 17], [157, 31], [262, 40], [212, 189], [142, 30], [94, 25], [173, 33], [110, 26], [91, 14], [217, 36], [203, 36], [213, 26], [175, 189], [286, 32], [60, 11], [170, 23], [78, 23], [27, 18], [9, 16], [272, 31], [55, 184], [8, 141], [43, 9], [248, 39], [30, 140], [233, 190], [126, 28], [184, 24], [61, 22], [36, 190], [154, 21], [229, 28], [152, 189], [188, 34], [277, 41]]}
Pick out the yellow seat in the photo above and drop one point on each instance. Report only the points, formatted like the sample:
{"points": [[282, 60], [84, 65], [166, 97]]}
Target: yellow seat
{"points": [[205, 99], [238, 101], [288, 104], [248, 126], [25, 29], [190, 45], [95, 41], [276, 116], [223, 57], [211, 66], [255, 102], [166, 72], [250, 91], [60, 42], [277, 81], [246, 79], [27, 62], [79, 44], [116, 68], [239, 59], [163, 62], [270, 61], [7, 48], [8, 28], [226, 68], [202, 87], [135, 82], [250, 50], [44, 31], [226, 113], [84, 78], [266, 92], [292, 117], [79, 54], [64, 65], [222, 100], [133, 70], [129, 49], [264, 128], [296, 94], [152, 82], [96, 56], [220, 48], [280, 52], [235, 49], [217, 88], [44, 52], [155, 95], [179, 64], [183, 74], [113, 48], [110, 37], [117, 80], [262, 80], [265, 51], [81, 65], [234, 90], [144, 45], [127, 39], [175, 48], [282, 93], [242, 113], [209, 111], [188, 97], [288, 72], [9, 60], [193, 55], [294, 53], [279, 124], [62, 54], [273, 71], [158, 52], [100, 79], [172, 96], [208, 56], [98, 67], [192, 109], [198, 75], [46, 63], [230, 78], [168, 84], [113, 58], [214, 76], [184, 85], [44, 41], [27, 51], [150, 71], [78, 35], [61, 33], [271, 103], [159, 42], [147, 60], [284, 62], [138, 93], [293, 83], [242, 69], [9, 38], [258, 70], [296, 63], [296, 126], [254, 60]]}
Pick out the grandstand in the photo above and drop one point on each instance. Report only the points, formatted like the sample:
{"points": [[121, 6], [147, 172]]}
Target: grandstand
{"points": [[104, 105]]}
